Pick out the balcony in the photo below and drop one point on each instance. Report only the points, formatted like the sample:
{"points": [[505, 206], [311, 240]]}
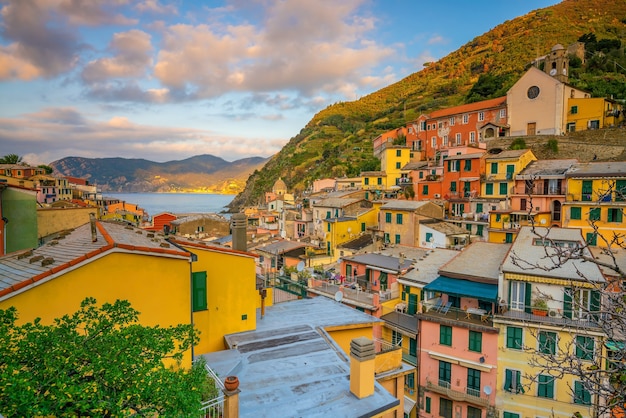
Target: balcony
{"points": [[473, 319], [404, 181], [552, 317], [354, 296], [539, 190], [470, 395]]}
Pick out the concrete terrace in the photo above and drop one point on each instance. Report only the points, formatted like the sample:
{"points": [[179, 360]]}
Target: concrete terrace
{"points": [[290, 366]]}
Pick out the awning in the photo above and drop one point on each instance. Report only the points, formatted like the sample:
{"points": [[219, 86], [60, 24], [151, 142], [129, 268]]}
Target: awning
{"points": [[464, 288], [409, 404], [615, 345]]}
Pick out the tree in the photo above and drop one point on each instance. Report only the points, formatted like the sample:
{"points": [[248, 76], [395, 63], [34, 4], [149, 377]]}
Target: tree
{"points": [[98, 361], [597, 363], [11, 159], [47, 168]]}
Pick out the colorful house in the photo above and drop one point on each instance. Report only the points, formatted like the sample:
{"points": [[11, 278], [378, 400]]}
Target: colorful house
{"points": [[465, 125], [346, 228], [458, 354], [547, 309], [593, 113], [399, 220], [161, 222], [596, 199], [335, 207]]}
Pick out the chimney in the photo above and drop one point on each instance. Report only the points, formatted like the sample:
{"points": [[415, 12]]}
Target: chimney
{"points": [[362, 366], [92, 221], [238, 226]]}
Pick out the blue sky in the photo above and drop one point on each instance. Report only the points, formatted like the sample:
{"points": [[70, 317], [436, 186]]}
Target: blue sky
{"points": [[166, 80]]}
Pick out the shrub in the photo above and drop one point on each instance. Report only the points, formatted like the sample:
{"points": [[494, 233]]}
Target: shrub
{"points": [[553, 145]]}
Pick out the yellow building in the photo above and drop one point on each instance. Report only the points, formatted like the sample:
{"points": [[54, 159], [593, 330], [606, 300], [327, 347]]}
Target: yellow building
{"points": [[501, 170], [546, 313], [400, 220], [593, 113], [104, 261], [392, 159], [505, 224], [343, 229], [596, 196], [225, 293]]}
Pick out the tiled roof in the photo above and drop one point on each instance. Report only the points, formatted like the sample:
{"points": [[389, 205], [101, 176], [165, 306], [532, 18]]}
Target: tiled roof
{"points": [[509, 154], [404, 204], [485, 104], [427, 267], [544, 168], [446, 228], [613, 168], [472, 156], [336, 202], [280, 247], [529, 259], [464, 265], [24, 268], [381, 261], [416, 165]]}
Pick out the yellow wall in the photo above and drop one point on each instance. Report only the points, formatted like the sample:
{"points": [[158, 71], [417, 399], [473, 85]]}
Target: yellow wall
{"points": [[528, 403], [373, 183], [339, 233], [51, 221], [158, 287], [390, 160], [500, 176], [343, 335], [591, 109], [232, 295]]}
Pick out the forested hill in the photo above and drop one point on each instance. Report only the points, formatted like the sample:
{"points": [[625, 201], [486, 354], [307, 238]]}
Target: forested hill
{"points": [[202, 173], [337, 141]]}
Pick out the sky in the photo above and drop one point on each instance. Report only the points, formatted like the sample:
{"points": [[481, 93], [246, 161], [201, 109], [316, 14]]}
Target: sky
{"points": [[166, 80]]}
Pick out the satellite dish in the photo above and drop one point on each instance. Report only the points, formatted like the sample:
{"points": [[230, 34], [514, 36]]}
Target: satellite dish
{"points": [[339, 296], [487, 390], [543, 222], [300, 266]]}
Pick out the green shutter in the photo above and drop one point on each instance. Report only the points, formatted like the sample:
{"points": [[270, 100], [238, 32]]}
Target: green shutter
{"points": [[199, 290], [412, 308], [567, 302], [527, 296], [489, 189], [575, 212], [427, 407], [508, 375], [503, 188], [413, 347]]}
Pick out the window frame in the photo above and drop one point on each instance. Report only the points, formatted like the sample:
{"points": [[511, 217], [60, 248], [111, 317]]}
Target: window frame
{"points": [[545, 386], [475, 341], [514, 335], [445, 335]]}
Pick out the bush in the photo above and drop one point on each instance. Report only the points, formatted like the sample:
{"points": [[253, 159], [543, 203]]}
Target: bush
{"points": [[518, 143], [553, 145]]}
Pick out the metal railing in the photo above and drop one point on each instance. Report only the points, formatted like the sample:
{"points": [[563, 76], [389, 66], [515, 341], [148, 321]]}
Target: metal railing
{"points": [[470, 395], [214, 407]]}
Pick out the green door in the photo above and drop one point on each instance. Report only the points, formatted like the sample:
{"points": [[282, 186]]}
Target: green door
{"points": [[412, 308]]}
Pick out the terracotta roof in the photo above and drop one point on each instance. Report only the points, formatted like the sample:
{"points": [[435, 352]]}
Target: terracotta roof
{"points": [[485, 104], [25, 268], [204, 246]]}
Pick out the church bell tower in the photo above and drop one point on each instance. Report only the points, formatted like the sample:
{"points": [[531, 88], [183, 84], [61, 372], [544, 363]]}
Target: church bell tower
{"points": [[557, 63]]}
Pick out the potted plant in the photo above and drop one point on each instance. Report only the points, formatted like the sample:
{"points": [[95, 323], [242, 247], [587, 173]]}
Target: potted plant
{"points": [[540, 306]]}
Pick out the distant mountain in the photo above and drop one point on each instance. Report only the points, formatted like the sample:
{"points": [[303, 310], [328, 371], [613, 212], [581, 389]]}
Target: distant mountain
{"points": [[202, 173], [338, 140]]}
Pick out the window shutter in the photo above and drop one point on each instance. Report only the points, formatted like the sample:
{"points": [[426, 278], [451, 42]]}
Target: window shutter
{"points": [[595, 303], [567, 302], [527, 298], [199, 290], [412, 308], [508, 374]]}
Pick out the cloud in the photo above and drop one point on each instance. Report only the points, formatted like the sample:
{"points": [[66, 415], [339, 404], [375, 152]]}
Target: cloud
{"points": [[132, 58], [153, 6], [62, 132], [91, 12], [436, 39]]}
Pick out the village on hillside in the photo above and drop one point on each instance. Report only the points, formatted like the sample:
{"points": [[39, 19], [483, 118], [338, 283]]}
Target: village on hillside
{"points": [[443, 284]]}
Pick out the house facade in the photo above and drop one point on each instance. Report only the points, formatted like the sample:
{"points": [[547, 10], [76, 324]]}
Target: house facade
{"points": [[399, 220]]}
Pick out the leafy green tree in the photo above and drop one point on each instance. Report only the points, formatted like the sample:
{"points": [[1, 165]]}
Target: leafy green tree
{"points": [[11, 159], [98, 361], [48, 169]]}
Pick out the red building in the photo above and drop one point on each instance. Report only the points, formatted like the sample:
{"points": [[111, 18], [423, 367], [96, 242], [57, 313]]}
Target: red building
{"points": [[161, 220]]}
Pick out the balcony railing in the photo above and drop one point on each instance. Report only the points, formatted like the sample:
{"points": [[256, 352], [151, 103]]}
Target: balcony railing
{"points": [[470, 395], [214, 407], [539, 190], [404, 181], [552, 317]]}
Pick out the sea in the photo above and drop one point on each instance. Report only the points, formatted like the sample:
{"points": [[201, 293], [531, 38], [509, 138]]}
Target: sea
{"points": [[155, 203]]}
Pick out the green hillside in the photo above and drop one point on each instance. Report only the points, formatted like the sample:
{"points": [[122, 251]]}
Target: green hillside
{"points": [[338, 140]]}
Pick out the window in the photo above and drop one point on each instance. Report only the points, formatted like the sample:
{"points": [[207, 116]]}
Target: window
{"points": [[489, 189], [445, 335], [423, 126], [584, 347], [575, 212], [592, 238], [614, 215], [472, 137], [433, 141], [367, 181], [458, 139], [479, 230], [452, 121], [388, 217], [508, 238], [465, 119], [199, 290], [453, 186], [474, 412], [439, 125], [468, 165], [429, 236], [503, 188], [409, 380], [425, 190], [362, 226], [421, 175], [445, 140], [502, 113], [397, 238], [379, 180], [475, 341], [473, 380], [513, 381], [396, 337], [545, 386], [514, 337], [328, 226], [547, 342], [445, 373], [386, 238], [494, 168], [398, 153], [427, 405], [398, 166], [445, 408], [574, 110], [587, 189], [481, 116], [620, 190], [510, 415], [581, 394], [399, 218], [594, 214]]}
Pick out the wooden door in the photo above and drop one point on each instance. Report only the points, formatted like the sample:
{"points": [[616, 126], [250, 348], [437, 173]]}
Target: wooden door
{"points": [[531, 129]]}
